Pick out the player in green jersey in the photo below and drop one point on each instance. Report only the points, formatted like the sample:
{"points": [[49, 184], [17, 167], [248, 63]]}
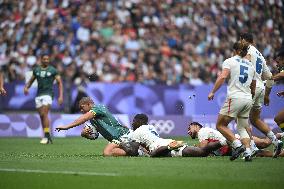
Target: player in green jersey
{"points": [[279, 118], [2, 90], [104, 122], [45, 75]]}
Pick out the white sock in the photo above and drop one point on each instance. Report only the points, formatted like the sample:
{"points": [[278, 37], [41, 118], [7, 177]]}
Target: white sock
{"points": [[252, 145], [236, 143], [272, 137], [247, 152], [223, 142]]}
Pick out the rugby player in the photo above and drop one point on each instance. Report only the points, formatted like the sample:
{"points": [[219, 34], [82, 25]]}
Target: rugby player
{"points": [[45, 74]]}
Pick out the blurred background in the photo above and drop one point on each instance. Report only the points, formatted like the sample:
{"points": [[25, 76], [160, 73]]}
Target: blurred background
{"points": [[157, 57]]}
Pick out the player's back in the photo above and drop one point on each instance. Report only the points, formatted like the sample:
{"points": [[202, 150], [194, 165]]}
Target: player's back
{"points": [[241, 75], [106, 124], [209, 134], [259, 64], [145, 134]]}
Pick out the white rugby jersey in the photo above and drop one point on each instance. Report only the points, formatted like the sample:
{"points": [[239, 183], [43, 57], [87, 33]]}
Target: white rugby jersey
{"points": [[148, 135], [209, 134], [241, 75], [259, 64]]}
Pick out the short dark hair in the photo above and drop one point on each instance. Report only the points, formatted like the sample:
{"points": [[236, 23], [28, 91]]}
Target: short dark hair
{"points": [[246, 36], [241, 47], [44, 54], [195, 123], [142, 118]]}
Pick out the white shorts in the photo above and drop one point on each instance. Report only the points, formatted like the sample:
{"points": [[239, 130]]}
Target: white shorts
{"points": [[234, 107], [258, 99], [43, 100], [160, 142]]}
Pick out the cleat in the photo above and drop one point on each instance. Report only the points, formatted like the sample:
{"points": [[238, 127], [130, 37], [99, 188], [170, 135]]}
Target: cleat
{"points": [[46, 141], [237, 152], [277, 149], [254, 152], [175, 145], [248, 158]]}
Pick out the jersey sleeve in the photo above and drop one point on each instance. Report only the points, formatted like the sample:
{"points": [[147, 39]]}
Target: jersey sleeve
{"points": [[96, 111], [226, 64], [55, 72], [202, 135]]}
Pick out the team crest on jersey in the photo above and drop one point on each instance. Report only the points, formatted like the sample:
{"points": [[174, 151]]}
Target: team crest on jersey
{"points": [[48, 74]]}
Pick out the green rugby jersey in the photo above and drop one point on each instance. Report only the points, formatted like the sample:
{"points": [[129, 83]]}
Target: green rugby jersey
{"points": [[106, 124], [45, 78]]}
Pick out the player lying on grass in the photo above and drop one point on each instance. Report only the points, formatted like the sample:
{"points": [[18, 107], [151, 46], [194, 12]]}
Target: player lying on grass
{"points": [[147, 136], [206, 135], [104, 122]]}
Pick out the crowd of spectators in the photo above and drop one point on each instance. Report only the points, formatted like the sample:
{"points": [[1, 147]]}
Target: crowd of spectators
{"points": [[146, 41]]}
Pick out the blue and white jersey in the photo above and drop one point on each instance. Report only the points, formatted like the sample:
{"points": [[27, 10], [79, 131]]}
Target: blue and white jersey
{"points": [[259, 63], [242, 73], [147, 135]]}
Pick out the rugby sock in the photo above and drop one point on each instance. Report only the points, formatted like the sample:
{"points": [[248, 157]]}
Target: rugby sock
{"points": [[252, 144], [247, 152], [223, 142], [236, 143], [46, 132], [282, 126], [272, 137]]}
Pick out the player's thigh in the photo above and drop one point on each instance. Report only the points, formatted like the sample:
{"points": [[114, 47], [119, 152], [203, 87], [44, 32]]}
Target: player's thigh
{"points": [[191, 151], [224, 120], [258, 98]]}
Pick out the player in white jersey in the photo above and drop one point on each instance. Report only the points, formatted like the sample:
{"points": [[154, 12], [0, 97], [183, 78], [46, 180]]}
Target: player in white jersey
{"points": [[147, 136], [261, 93], [240, 90], [205, 135]]}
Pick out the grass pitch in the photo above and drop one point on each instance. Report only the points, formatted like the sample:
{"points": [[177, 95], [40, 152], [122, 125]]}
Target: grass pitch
{"points": [[78, 163]]}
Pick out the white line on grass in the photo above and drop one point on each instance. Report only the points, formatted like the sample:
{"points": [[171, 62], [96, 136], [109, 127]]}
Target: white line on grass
{"points": [[59, 172]]}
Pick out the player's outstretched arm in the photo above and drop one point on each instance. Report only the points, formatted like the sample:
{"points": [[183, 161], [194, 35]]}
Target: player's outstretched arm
{"points": [[219, 82], [82, 119], [60, 89], [29, 84], [278, 76]]}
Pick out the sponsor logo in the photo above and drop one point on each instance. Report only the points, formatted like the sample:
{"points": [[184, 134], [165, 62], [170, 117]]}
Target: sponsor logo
{"points": [[163, 126]]}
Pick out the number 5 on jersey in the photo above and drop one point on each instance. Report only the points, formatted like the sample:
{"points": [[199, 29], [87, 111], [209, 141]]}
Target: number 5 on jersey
{"points": [[243, 74]]}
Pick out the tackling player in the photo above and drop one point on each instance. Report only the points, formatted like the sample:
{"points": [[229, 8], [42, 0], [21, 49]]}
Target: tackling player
{"points": [[45, 75], [240, 91], [261, 93], [104, 122], [147, 136]]}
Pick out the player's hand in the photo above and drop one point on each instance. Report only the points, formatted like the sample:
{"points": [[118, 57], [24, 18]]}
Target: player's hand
{"points": [[3, 92], [60, 128], [266, 100], [211, 96], [26, 91], [60, 100], [280, 94]]}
